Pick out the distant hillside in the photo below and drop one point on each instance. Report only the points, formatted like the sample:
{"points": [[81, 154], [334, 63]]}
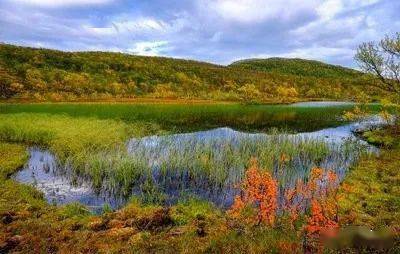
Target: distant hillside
{"points": [[43, 74], [296, 66]]}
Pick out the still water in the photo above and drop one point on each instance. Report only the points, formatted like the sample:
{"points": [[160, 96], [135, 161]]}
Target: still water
{"points": [[181, 151]]}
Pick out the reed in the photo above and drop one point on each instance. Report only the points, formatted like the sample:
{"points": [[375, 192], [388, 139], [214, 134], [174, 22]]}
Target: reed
{"points": [[95, 150]]}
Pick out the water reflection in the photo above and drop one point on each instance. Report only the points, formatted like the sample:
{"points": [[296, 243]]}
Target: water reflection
{"points": [[206, 164], [45, 173]]}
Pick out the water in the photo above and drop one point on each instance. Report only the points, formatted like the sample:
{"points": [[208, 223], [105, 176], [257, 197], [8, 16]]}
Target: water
{"points": [[181, 178], [324, 104], [47, 175]]}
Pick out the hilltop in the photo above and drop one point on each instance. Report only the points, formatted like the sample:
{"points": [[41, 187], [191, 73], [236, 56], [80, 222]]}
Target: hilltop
{"points": [[44, 74], [297, 66]]}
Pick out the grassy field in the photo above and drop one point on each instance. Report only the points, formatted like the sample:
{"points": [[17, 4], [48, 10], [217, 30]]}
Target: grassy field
{"points": [[96, 150], [30, 224], [373, 194], [185, 118], [92, 139]]}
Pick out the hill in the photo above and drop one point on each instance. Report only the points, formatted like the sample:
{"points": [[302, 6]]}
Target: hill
{"points": [[297, 66], [44, 74]]}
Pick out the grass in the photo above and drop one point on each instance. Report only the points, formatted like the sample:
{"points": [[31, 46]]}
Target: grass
{"points": [[12, 157], [74, 140], [92, 142], [371, 189], [95, 149], [90, 138], [184, 118], [29, 224], [66, 135], [386, 138]]}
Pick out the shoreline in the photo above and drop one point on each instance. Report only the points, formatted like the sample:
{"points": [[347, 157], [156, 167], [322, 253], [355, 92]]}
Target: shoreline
{"points": [[166, 101]]}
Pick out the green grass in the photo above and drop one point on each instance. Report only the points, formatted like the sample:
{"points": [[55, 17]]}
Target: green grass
{"points": [[14, 196], [386, 138], [184, 118], [12, 157], [96, 150], [371, 193], [90, 146], [372, 200], [91, 140], [68, 136]]}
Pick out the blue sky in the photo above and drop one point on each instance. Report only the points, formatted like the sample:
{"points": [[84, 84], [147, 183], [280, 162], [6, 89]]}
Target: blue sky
{"points": [[218, 31]]}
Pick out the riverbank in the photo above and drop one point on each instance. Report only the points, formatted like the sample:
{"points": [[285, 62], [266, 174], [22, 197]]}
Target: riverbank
{"points": [[29, 224], [144, 100], [371, 193], [370, 197]]}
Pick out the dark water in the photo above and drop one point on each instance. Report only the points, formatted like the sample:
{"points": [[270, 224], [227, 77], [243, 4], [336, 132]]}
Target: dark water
{"points": [[180, 151]]}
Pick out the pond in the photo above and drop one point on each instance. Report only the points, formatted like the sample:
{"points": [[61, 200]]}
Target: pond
{"points": [[208, 164]]}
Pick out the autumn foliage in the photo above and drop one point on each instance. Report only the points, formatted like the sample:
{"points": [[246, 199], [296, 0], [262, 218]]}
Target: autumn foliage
{"points": [[313, 201], [259, 192]]}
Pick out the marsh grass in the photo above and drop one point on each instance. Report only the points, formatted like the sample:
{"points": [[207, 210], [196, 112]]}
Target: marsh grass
{"points": [[94, 150], [85, 147], [187, 118], [213, 167], [68, 136], [12, 157]]}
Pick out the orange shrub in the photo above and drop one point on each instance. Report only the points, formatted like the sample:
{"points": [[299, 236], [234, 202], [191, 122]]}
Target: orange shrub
{"points": [[259, 190]]}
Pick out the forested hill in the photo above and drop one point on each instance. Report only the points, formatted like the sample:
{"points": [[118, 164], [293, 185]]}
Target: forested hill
{"points": [[44, 74], [296, 66]]}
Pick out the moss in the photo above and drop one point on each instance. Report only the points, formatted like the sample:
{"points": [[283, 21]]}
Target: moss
{"points": [[370, 192], [194, 209], [388, 137], [12, 157]]}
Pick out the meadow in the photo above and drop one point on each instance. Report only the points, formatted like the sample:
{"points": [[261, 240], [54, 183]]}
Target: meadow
{"points": [[186, 118], [90, 143], [177, 183]]}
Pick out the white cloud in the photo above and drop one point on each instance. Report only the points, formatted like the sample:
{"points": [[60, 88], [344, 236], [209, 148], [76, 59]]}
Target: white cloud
{"points": [[148, 48], [328, 9], [333, 20], [329, 27], [210, 30], [60, 3], [248, 11], [124, 26]]}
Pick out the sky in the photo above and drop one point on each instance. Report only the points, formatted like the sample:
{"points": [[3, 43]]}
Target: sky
{"points": [[217, 31]]}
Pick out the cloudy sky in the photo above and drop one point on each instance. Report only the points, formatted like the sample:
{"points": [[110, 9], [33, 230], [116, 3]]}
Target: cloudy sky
{"points": [[218, 31]]}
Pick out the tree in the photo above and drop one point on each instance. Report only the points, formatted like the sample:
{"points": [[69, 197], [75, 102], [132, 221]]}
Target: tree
{"points": [[164, 91], [383, 60], [285, 92], [249, 92]]}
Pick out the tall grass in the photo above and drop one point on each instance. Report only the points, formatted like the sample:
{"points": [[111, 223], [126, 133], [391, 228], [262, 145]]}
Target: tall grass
{"points": [[68, 136], [95, 150]]}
